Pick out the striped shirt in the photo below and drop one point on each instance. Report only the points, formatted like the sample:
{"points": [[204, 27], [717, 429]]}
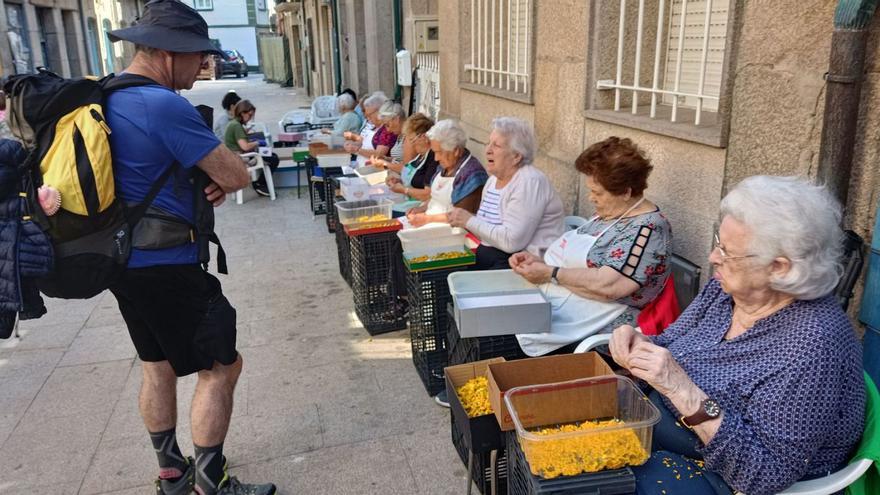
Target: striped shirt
{"points": [[490, 207]]}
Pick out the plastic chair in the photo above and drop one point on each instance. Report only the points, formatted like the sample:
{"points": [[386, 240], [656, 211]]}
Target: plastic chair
{"points": [[825, 485], [573, 222], [254, 163], [324, 112]]}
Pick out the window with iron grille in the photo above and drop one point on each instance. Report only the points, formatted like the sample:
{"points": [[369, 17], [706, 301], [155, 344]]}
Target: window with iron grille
{"points": [[497, 46], [203, 4], [661, 62]]}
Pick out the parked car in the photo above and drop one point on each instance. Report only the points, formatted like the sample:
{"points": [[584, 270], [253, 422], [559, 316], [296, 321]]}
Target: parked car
{"points": [[234, 64]]}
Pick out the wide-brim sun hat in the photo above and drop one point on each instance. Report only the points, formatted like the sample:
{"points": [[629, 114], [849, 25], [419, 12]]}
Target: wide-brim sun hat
{"points": [[169, 25]]}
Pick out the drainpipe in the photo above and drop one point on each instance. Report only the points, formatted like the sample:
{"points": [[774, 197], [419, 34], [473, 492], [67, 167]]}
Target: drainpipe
{"points": [[85, 32], [398, 43], [337, 61], [843, 94]]}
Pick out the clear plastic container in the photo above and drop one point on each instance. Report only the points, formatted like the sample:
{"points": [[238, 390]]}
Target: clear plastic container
{"points": [[582, 426], [334, 160], [373, 175], [354, 188], [364, 212], [429, 237]]}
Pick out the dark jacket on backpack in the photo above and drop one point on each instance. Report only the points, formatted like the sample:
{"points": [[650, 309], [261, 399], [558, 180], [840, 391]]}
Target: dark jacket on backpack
{"points": [[25, 250]]}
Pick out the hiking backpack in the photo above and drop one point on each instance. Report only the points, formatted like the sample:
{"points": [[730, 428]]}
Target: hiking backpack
{"points": [[61, 123]]}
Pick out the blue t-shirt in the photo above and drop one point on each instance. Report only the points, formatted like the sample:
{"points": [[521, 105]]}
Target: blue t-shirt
{"points": [[152, 127]]}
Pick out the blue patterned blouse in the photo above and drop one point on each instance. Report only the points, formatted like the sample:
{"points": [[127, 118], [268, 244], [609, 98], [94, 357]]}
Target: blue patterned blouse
{"points": [[791, 388]]}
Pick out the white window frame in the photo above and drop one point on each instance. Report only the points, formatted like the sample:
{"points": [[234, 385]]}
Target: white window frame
{"points": [[690, 125], [499, 44], [261, 4], [203, 4]]}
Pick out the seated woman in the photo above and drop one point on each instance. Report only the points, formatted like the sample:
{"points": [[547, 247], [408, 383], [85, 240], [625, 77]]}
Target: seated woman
{"points": [[393, 116], [236, 139], [458, 181], [415, 175], [228, 104], [520, 210], [374, 139], [600, 275], [349, 120], [763, 370]]}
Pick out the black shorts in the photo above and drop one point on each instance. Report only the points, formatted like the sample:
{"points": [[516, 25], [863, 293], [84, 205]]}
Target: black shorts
{"points": [[177, 313]]}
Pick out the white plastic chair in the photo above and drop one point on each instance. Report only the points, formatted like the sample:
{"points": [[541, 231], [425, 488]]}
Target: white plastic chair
{"points": [[254, 163], [573, 222], [295, 121], [324, 112], [825, 485]]}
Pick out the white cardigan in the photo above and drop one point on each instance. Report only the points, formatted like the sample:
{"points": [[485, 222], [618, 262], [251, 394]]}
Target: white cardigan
{"points": [[531, 214]]}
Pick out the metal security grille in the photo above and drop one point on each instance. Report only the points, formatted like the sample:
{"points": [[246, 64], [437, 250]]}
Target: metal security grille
{"points": [[688, 60], [428, 84], [500, 44]]}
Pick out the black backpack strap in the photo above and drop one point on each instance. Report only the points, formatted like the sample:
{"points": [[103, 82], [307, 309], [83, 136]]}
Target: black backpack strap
{"points": [[136, 213], [221, 255], [122, 81]]}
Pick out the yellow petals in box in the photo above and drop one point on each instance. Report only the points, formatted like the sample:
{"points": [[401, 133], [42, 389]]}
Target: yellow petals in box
{"points": [[582, 426], [467, 388]]}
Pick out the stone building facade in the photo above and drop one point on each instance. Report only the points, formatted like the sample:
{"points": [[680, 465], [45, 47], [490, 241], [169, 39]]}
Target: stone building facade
{"points": [[763, 66]]}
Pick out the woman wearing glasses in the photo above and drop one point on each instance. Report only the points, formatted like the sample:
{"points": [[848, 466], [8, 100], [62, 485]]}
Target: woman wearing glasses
{"points": [[601, 275], [761, 376]]}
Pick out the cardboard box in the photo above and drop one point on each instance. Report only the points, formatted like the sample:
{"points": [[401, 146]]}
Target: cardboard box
{"points": [[538, 371], [481, 434]]}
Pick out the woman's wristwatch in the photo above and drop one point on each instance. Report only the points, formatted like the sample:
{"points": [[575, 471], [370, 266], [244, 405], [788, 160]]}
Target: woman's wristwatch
{"points": [[709, 409], [553, 275]]}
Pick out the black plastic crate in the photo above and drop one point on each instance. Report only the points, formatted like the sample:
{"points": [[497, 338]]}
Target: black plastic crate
{"points": [[343, 252], [331, 218], [371, 282], [482, 473], [467, 350], [316, 187], [428, 296], [521, 481]]}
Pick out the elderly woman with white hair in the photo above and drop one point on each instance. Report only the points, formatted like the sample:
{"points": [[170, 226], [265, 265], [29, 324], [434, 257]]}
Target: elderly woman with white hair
{"points": [[761, 376], [459, 180], [362, 143], [520, 210], [349, 120]]}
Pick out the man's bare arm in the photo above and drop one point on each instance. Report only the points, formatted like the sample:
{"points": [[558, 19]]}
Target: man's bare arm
{"points": [[225, 168]]}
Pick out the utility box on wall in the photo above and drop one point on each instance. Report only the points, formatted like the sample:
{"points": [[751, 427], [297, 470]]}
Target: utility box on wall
{"points": [[426, 34], [404, 68]]}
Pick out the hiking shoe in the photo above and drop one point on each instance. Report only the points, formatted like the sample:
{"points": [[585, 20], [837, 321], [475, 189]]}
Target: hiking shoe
{"points": [[234, 487], [442, 399], [180, 486]]}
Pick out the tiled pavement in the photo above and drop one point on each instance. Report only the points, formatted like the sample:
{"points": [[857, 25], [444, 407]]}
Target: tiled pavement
{"points": [[321, 408]]}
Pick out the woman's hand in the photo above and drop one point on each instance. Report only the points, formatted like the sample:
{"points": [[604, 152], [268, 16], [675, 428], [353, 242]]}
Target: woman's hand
{"points": [[351, 146], [655, 365], [522, 258], [390, 181], [351, 136], [398, 187], [535, 271], [379, 162], [459, 217], [326, 131], [417, 219], [622, 341]]}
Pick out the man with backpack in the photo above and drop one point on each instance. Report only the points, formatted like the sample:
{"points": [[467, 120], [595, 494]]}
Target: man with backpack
{"points": [[178, 319]]}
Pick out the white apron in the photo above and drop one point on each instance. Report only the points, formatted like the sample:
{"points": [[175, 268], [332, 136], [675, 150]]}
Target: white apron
{"points": [[441, 191], [573, 318], [366, 144]]}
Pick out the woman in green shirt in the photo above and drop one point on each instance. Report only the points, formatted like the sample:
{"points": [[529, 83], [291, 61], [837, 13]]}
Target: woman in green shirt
{"points": [[236, 139]]}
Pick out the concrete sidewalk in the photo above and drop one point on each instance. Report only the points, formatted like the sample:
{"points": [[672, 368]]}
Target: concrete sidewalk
{"points": [[321, 408]]}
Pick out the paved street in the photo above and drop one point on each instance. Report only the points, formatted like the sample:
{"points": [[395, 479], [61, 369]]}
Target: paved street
{"points": [[321, 407]]}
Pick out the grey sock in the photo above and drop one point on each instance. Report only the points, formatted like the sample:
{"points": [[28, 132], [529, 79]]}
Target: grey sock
{"points": [[168, 452], [209, 468]]}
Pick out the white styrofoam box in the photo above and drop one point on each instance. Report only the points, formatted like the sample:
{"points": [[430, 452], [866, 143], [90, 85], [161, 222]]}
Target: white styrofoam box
{"points": [[497, 302], [430, 236], [354, 188], [334, 160], [372, 175]]}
